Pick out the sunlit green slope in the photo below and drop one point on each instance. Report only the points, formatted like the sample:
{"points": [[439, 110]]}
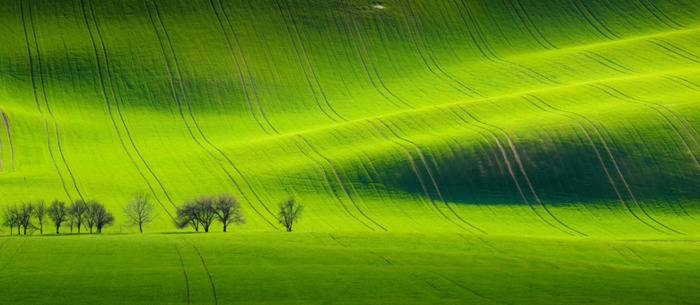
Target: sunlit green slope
{"points": [[501, 117]]}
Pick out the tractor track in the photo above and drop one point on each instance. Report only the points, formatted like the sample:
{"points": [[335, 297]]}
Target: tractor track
{"points": [[306, 56], [422, 56], [587, 10], [187, 125], [211, 280], [116, 101], [36, 99], [606, 89], [340, 182], [240, 71], [674, 49], [9, 140], [493, 57], [369, 59], [570, 115], [472, 291], [430, 174], [330, 185], [539, 37], [12, 257], [184, 271], [510, 169], [606, 62], [667, 20], [420, 178]]}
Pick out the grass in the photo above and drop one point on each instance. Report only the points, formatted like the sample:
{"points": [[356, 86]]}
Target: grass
{"points": [[347, 268], [524, 123]]}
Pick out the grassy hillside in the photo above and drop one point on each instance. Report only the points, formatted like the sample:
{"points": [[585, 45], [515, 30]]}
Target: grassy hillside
{"points": [[480, 151], [543, 118]]}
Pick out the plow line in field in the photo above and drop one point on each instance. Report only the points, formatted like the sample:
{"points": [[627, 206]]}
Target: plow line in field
{"points": [[184, 120], [422, 56], [6, 123], [184, 271], [116, 101], [308, 61], [665, 20], [340, 182], [369, 59], [539, 77], [238, 68], [511, 171], [420, 178], [571, 115], [430, 174], [595, 22], [518, 7], [36, 96], [330, 185]]}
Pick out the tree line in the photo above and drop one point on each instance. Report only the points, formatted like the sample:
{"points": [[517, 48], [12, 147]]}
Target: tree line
{"points": [[198, 213]]}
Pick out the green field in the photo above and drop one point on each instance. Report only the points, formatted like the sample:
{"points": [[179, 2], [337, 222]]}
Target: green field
{"points": [[415, 132]]}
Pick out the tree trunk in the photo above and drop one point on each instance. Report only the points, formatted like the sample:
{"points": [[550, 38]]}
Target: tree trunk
{"points": [[58, 226], [224, 227], [140, 227], [25, 230], [41, 228]]}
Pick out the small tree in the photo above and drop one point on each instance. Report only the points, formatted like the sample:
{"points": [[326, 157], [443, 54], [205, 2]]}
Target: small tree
{"points": [[89, 216], [10, 218], [58, 213], [187, 216], [78, 210], [140, 211], [24, 213], [205, 211], [228, 210], [289, 213], [40, 214], [195, 213], [99, 216]]}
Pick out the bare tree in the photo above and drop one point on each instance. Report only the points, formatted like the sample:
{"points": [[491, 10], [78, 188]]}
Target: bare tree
{"points": [[195, 213], [89, 216], [99, 216], [78, 209], [228, 210], [140, 210], [24, 212], [187, 216], [58, 212], [205, 211], [289, 213], [10, 218], [40, 214]]}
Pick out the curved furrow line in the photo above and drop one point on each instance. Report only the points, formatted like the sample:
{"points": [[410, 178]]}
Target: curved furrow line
{"points": [[12, 257], [606, 62], [422, 56], [9, 140], [630, 99], [660, 12], [369, 59], [472, 291], [36, 100], [522, 169], [430, 174], [547, 45], [116, 101], [245, 64], [597, 20], [675, 49], [675, 129], [418, 175], [539, 76], [306, 56], [570, 115], [471, 35], [184, 271], [184, 120], [683, 82], [328, 182], [247, 68], [340, 182], [211, 281], [417, 22], [573, 2], [46, 101], [240, 72], [508, 166], [301, 64]]}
